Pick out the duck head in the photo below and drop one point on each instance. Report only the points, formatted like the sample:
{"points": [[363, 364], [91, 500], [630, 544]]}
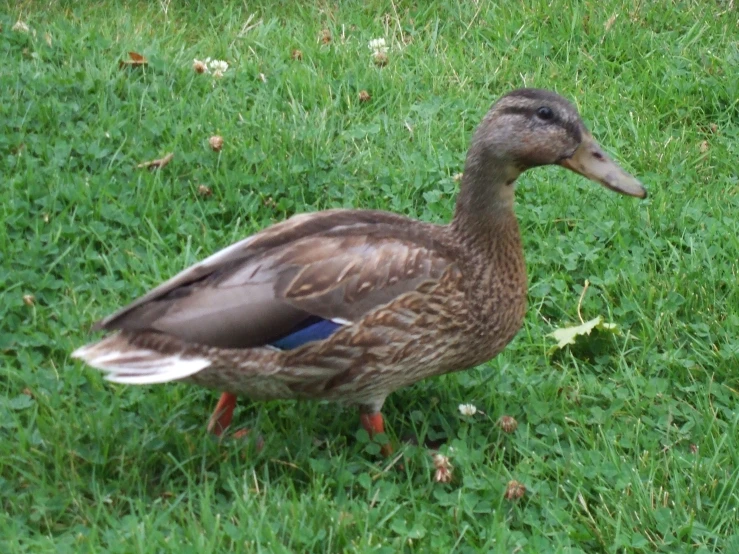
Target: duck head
{"points": [[528, 128]]}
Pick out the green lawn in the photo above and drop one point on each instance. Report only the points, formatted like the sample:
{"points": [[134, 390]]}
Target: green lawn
{"points": [[625, 443]]}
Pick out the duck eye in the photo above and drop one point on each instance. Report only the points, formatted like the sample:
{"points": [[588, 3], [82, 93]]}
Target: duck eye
{"points": [[545, 113]]}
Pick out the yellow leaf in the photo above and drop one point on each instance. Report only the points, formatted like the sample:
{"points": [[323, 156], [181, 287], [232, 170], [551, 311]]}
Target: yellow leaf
{"points": [[567, 335]]}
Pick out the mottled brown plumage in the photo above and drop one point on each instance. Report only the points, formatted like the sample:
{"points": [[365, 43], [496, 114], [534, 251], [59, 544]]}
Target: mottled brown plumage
{"points": [[405, 299]]}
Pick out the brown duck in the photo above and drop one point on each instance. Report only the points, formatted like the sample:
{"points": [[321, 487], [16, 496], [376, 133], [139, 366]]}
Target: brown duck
{"points": [[350, 305]]}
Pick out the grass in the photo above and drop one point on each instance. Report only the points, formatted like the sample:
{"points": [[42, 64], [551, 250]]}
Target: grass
{"points": [[625, 443]]}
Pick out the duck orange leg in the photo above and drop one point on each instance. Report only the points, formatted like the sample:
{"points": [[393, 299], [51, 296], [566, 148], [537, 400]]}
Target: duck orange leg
{"points": [[374, 424], [221, 418], [223, 414]]}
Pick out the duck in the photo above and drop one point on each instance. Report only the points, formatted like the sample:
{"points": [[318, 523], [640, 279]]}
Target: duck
{"points": [[350, 305]]}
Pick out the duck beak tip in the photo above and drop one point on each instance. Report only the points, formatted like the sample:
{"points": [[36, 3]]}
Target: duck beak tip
{"points": [[590, 161]]}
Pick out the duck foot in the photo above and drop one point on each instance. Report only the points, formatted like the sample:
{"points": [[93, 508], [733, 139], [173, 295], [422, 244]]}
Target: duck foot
{"points": [[221, 418], [244, 434], [374, 424], [241, 433]]}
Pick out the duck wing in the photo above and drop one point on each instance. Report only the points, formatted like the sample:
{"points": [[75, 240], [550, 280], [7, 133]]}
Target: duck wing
{"points": [[331, 266]]}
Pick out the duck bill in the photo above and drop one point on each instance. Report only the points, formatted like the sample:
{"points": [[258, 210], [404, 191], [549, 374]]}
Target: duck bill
{"points": [[590, 161]]}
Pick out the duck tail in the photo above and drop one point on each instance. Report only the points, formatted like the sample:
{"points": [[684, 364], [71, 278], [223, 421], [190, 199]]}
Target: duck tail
{"points": [[124, 362]]}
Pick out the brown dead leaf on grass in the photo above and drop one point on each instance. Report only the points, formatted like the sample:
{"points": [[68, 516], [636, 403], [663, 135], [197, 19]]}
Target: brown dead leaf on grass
{"points": [[135, 60], [157, 164]]}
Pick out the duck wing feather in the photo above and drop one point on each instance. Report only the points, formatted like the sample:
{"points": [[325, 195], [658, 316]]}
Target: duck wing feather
{"points": [[336, 265]]}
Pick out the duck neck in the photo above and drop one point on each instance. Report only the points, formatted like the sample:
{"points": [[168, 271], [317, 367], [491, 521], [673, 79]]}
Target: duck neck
{"points": [[485, 224], [484, 213]]}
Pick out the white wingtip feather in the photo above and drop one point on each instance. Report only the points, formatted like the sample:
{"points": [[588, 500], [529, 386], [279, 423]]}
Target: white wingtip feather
{"points": [[171, 368], [124, 363]]}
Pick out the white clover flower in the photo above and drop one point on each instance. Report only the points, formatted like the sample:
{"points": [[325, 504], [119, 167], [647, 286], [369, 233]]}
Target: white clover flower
{"points": [[217, 66], [467, 409], [21, 27], [378, 46]]}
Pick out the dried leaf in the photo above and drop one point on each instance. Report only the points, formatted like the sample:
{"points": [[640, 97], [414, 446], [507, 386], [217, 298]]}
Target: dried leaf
{"points": [[567, 335], [157, 164], [135, 60]]}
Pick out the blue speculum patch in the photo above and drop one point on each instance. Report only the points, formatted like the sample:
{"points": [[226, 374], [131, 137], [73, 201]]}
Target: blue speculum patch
{"points": [[316, 329]]}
